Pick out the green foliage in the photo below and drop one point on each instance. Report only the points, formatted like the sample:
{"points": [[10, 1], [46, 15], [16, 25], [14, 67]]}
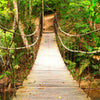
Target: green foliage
{"points": [[76, 18], [7, 42], [29, 27], [2, 76], [95, 67], [88, 48], [80, 14], [8, 36], [79, 17], [50, 6], [84, 64], [8, 73], [96, 72], [70, 64], [96, 39], [17, 59], [4, 11], [81, 27]]}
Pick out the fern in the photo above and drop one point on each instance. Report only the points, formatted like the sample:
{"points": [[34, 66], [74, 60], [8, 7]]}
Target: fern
{"points": [[84, 65]]}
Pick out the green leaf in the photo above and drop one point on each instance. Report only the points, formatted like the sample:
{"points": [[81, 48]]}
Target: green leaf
{"points": [[97, 20], [70, 64], [2, 76], [78, 59], [13, 56], [8, 73], [84, 65], [96, 72], [95, 66]]}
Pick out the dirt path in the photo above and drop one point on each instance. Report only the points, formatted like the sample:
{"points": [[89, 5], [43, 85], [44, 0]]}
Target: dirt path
{"points": [[48, 23]]}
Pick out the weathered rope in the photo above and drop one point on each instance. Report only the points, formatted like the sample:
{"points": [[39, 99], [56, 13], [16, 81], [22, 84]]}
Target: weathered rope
{"points": [[78, 35], [18, 48], [71, 35], [5, 29], [77, 51]]}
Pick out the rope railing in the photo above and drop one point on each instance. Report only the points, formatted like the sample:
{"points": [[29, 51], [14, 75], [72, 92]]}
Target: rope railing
{"points": [[72, 57], [18, 48], [40, 27], [10, 61], [72, 35], [5, 29], [25, 47], [75, 51], [78, 35]]}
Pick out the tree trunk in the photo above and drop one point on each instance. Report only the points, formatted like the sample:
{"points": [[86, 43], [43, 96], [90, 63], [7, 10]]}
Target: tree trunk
{"points": [[20, 26]]}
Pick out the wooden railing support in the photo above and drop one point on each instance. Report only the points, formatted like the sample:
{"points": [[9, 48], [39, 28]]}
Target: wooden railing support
{"points": [[55, 25], [41, 24]]}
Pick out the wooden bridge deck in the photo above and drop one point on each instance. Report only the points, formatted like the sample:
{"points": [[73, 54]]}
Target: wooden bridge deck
{"points": [[49, 78]]}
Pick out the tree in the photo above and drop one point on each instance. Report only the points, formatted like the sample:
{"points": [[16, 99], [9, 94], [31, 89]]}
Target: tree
{"points": [[19, 23]]}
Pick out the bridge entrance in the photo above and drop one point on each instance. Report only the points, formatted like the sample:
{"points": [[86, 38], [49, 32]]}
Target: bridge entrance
{"points": [[48, 24]]}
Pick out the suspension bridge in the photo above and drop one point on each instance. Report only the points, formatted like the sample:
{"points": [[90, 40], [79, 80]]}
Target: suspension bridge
{"points": [[49, 78]]}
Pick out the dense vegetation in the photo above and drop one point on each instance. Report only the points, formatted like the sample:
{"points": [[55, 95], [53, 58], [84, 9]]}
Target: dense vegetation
{"points": [[78, 17], [75, 17], [15, 64]]}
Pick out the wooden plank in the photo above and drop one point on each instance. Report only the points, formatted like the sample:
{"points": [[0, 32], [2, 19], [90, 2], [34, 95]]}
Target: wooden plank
{"points": [[49, 78]]}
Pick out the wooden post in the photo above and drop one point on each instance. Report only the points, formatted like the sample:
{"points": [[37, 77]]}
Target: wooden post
{"points": [[41, 24], [43, 10], [55, 23]]}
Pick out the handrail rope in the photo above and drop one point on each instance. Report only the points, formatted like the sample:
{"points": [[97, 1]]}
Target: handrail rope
{"points": [[78, 35], [18, 33], [6, 48], [18, 48], [76, 51]]}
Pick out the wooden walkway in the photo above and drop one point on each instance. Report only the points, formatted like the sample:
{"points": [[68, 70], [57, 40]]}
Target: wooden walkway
{"points": [[49, 78]]}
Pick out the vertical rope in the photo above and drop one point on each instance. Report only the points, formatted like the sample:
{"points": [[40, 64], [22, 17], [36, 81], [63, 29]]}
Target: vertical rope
{"points": [[41, 25]]}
